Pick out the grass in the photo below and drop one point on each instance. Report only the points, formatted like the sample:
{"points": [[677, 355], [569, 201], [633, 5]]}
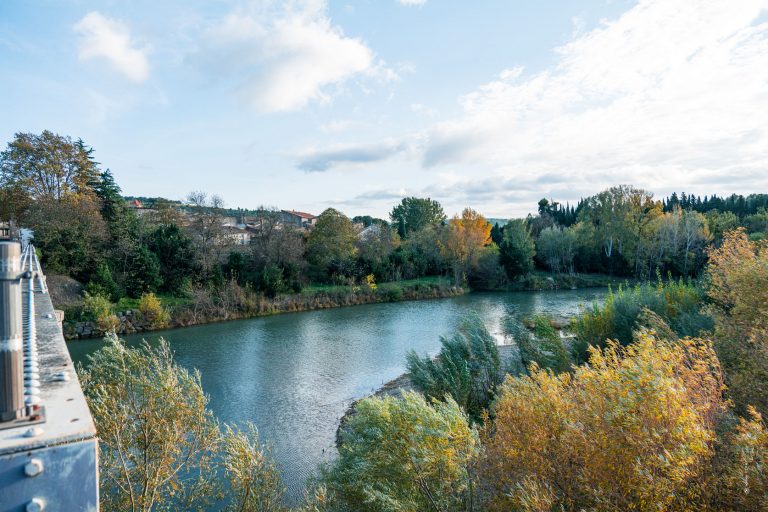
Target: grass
{"points": [[407, 283]]}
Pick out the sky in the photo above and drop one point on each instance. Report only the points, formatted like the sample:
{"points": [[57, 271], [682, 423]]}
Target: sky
{"points": [[353, 105]]}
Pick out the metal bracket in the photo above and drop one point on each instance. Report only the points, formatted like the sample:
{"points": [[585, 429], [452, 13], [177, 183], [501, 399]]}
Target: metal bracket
{"points": [[33, 415]]}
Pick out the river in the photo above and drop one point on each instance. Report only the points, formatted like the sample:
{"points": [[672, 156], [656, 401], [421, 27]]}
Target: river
{"points": [[294, 375]]}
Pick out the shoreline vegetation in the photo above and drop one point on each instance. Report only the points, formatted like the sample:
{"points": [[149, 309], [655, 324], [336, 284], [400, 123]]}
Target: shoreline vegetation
{"points": [[127, 316]]}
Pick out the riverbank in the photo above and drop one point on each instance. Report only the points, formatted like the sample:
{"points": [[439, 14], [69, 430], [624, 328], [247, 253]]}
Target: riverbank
{"points": [[241, 304], [543, 281], [204, 310]]}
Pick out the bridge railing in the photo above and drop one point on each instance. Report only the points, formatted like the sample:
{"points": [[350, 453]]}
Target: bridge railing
{"points": [[48, 444]]}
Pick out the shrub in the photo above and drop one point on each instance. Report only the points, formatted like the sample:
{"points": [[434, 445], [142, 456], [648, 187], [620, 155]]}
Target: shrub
{"points": [[738, 286], [743, 482], [678, 303], [152, 311], [391, 292], [543, 346], [633, 430], [467, 369], [404, 454], [96, 306], [254, 480]]}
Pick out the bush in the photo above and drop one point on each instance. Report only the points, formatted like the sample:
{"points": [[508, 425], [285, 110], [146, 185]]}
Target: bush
{"points": [[543, 346], [738, 286], [403, 454], [467, 369], [678, 303], [391, 292], [633, 430], [96, 306], [152, 311]]}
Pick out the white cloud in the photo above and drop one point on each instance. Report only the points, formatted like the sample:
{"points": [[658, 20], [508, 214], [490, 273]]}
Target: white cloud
{"points": [[284, 56], [102, 37], [669, 95], [412, 2]]}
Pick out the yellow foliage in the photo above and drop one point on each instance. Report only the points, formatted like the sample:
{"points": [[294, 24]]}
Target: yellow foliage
{"points": [[738, 285], [632, 430], [153, 312], [466, 236]]}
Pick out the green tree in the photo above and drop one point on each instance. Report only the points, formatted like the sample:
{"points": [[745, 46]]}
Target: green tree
{"points": [[254, 480], [556, 246], [160, 447], [331, 244], [47, 166], [414, 214], [143, 273], [404, 454], [102, 283], [70, 233], [517, 249], [157, 438], [617, 214], [176, 257], [468, 368]]}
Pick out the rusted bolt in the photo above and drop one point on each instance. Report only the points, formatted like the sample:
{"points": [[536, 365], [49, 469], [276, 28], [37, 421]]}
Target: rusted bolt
{"points": [[33, 468]]}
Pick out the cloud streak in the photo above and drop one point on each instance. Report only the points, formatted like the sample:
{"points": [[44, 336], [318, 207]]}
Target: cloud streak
{"points": [[345, 154]]}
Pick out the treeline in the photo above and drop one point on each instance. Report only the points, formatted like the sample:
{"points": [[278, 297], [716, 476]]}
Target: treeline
{"points": [[86, 230], [657, 404]]}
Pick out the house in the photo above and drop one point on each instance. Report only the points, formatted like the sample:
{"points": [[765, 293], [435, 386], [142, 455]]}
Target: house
{"points": [[237, 236], [7, 230], [298, 219]]}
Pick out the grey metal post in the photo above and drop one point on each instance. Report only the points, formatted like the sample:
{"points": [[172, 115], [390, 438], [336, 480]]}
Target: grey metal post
{"points": [[11, 333]]}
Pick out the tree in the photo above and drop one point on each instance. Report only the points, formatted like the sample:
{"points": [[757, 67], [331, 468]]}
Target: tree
{"points": [[465, 238], [70, 233], [616, 214], [738, 286], [254, 479], [404, 454], [143, 273], [557, 247], [279, 247], [633, 430], [517, 249], [175, 255], [160, 447], [414, 214], [206, 227], [157, 438], [47, 166], [497, 233], [374, 247], [468, 368], [331, 244]]}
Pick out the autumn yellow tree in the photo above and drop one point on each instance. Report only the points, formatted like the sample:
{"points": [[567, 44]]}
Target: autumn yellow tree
{"points": [[632, 430], [738, 285], [464, 240]]}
